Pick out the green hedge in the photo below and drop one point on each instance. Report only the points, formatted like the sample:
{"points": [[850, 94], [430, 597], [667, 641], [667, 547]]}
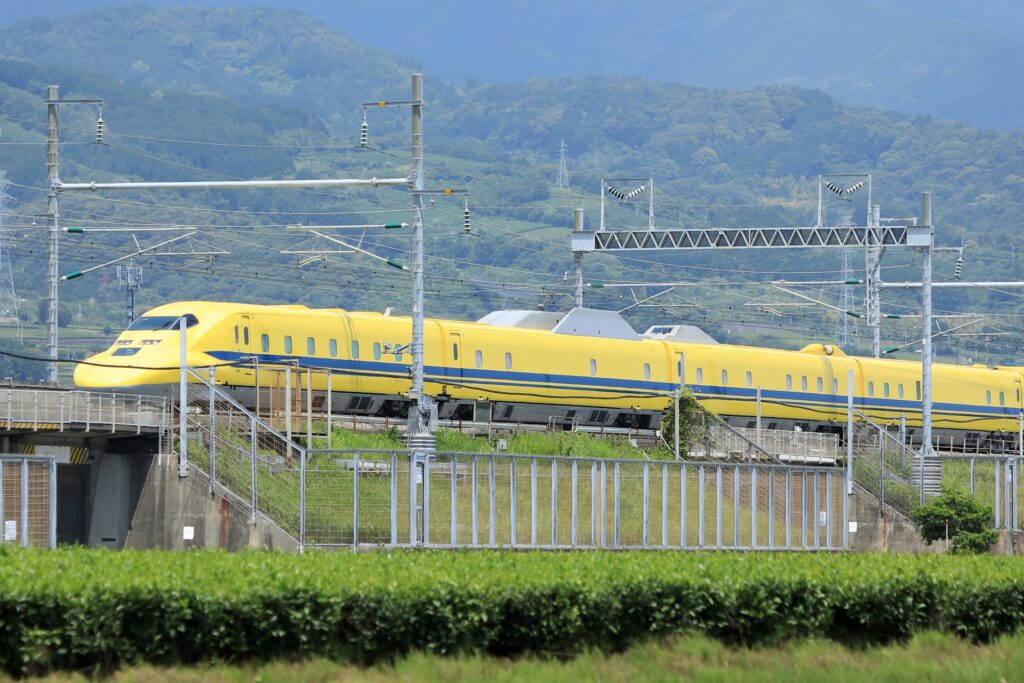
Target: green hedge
{"points": [[83, 609]]}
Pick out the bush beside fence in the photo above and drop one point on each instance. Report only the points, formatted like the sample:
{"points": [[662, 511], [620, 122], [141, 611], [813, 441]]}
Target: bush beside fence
{"points": [[81, 609]]}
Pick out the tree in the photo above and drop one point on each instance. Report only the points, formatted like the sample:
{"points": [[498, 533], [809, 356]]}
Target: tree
{"points": [[958, 517]]}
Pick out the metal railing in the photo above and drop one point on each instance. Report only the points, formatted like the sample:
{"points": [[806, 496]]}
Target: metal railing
{"points": [[28, 501], [335, 498], [810, 448], [42, 409]]}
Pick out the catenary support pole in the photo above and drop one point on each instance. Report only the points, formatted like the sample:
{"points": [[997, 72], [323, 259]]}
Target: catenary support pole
{"points": [[183, 400], [53, 242], [926, 349], [577, 257]]}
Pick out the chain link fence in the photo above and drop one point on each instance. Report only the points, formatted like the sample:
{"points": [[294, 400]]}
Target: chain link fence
{"points": [[737, 497], [28, 501]]}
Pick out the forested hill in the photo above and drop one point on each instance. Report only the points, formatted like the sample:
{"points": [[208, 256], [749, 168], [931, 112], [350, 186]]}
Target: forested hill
{"points": [[259, 93]]}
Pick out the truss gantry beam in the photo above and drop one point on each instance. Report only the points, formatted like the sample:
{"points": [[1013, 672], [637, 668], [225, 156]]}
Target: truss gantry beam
{"points": [[740, 238]]}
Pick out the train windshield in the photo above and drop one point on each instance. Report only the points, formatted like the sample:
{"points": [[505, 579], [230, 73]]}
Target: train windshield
{"points": [[162, 322]]}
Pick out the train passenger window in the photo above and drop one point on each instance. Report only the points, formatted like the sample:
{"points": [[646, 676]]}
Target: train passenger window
{"points": [[789, 381], [593, 367], [265, 342], [1002, 399], [508, 360], [376, 350], [885, 389], [899, 390], [245, 336], [332, 347], [988, 398], [725, 377], [397, 350], [287, 343], [236, 334], [700, 375], [647, 370], [835, 386], [821, 384], [750, 379], [917, 390], [455, 351], [310, 346], [871, 388], [479, 358], [803, 383]]}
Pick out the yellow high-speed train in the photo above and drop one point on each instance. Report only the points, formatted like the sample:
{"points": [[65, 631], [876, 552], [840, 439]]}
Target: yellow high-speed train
{"points": [[586, 366]]}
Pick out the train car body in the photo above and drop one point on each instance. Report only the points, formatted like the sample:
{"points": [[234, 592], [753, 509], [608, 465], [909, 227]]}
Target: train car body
{"points": [[586, 367]]}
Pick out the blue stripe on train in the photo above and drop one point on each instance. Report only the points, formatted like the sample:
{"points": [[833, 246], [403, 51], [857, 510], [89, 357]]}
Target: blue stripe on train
{"points": [[532, 380]]}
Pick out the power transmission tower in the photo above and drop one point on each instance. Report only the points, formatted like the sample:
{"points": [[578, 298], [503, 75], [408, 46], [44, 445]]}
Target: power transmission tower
{"points": [[563, 168], [846, 332], [129, 278], [8, 297]]}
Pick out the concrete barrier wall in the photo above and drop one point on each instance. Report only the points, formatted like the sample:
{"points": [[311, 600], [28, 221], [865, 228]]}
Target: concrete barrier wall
{"points": [[179, 514]]}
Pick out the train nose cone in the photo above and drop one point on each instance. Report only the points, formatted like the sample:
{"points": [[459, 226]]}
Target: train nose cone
{"points": [[94, 377]]}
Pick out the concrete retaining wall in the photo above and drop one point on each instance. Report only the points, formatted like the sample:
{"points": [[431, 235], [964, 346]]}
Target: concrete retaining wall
{"points": [[178, 514]]}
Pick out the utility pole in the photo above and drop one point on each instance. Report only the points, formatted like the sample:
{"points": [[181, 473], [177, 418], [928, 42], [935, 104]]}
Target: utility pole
{"points": [[577, 258], [53, 212], [421, 440], [926, 350], [53, 188]]}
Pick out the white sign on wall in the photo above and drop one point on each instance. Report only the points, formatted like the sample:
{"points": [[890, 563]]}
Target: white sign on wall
{"points": [[10, 530]]}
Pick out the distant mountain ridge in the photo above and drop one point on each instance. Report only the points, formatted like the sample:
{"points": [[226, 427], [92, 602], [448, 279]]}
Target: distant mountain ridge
{"points": [[957, 59], [260, 76]]}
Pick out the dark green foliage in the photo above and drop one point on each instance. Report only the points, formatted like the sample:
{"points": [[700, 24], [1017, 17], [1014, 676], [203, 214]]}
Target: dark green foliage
{"points": [[91, 610], [690, 422], [958, 517]]}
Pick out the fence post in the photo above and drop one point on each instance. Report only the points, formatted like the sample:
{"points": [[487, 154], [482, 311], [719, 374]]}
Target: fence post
{"points": [[62, 396], [718, 506], [700, 505], [604, 508], [533, 502], [849, 432], [413, 503], [24, 502], [330, 404], [302, 498], [817, 510], [682, 506], [771, 508], [288, 406], [474, 508], [574, 484], [998, 509], [512, 498], [355, 503], [736, 506], [972, 476], [615, 503], [789, 508], [664, 505], [394, 498], [53, 503], [645, 534], [491, 483], [753, 507], [425, 533], [593, 503], [452, 508], [213, 432], [828, 510], [881, 472], [252, 446], [554, 502]]}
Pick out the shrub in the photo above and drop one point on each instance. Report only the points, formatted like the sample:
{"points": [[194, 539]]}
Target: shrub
{"points": [[958, 518]]}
